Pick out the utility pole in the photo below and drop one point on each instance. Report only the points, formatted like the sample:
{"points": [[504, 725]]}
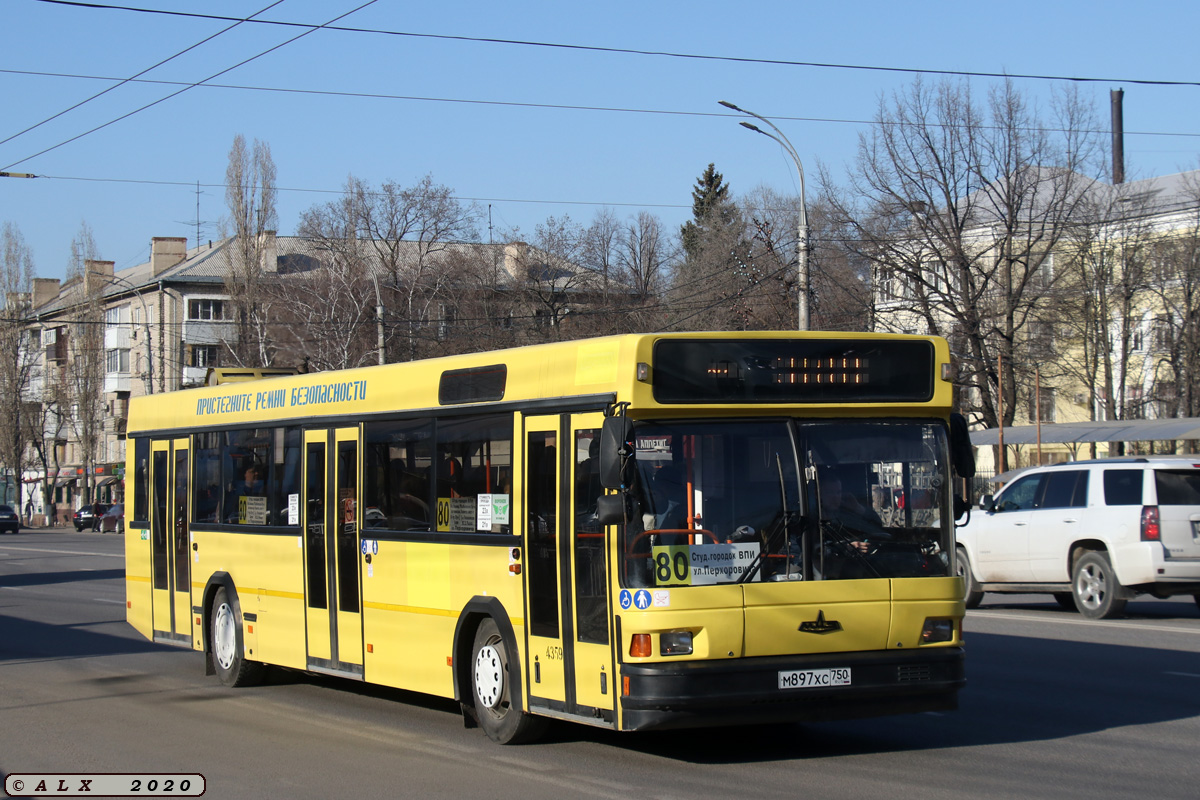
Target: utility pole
{"points": [[802, 320]]}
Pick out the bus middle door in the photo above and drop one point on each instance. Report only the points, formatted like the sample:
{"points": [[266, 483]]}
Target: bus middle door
{"points": [[329, 507], [170, 542], [548, 664], [568, 614]]}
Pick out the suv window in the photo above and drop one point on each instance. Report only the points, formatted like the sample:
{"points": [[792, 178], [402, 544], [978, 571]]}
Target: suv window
{"points": [[1123, 487], [1065, 489], [1180, 488], [1021, 495]]}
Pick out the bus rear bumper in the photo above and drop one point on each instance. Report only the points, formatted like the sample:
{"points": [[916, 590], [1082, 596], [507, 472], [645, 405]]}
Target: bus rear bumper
{"points": [[687, 694]]}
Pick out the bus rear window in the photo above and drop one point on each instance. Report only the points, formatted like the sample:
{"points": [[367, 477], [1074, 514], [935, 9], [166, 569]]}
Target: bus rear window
{"points": [[476, 385], [792, 371]]}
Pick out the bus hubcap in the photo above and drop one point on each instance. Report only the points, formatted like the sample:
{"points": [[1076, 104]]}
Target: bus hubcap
{"points": [[224, 637], [489, 677]]}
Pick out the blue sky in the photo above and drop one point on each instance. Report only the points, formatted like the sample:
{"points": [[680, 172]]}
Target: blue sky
{"points": [[136, 178]]}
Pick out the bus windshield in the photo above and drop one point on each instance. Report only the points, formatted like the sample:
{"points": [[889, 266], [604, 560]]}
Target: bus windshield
{"points": [[782, 500]]}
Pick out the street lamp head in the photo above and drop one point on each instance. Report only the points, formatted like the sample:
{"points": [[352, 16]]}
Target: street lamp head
{"points": [[730, 106], [754, 128]]}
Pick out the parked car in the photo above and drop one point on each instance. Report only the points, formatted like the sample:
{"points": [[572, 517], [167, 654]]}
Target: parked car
{"points": [[10, 521], [1092, 533], [83, 517], [113, 519]]}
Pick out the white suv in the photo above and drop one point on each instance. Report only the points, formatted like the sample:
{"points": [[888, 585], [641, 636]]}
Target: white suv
{"points": [[1092, 533]]}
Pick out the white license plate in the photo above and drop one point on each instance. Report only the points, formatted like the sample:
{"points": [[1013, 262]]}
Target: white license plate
{"points": [[813, 678]]}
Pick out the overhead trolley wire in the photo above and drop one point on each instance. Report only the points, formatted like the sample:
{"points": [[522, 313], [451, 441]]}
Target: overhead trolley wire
{"points": [[641, 52], [311, 29]]}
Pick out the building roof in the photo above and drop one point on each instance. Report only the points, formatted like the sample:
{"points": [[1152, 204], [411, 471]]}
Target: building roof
{"points": [[1121, 430]]}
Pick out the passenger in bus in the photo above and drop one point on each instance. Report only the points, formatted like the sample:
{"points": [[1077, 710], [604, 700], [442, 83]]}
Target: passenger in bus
{"points": [[250, 486], [666, 502]]}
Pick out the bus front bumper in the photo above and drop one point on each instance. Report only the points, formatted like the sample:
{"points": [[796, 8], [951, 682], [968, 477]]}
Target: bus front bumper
{"points": [[685, 694]]}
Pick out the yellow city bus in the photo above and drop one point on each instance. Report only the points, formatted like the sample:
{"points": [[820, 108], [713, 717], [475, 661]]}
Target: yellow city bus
{"points": [[634, 532]]}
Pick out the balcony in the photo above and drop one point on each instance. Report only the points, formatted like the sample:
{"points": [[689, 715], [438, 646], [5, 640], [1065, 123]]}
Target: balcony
{"points": [[199, 331], [117, 382], [194, 376], [117, 337]]}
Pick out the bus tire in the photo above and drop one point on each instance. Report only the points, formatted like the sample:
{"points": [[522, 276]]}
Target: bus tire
{"points": [[972, 596], [491, 687], [225, 639]]}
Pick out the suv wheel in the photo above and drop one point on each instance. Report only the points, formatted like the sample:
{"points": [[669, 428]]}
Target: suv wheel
{"points": [[971, 594], [1097, 593]]}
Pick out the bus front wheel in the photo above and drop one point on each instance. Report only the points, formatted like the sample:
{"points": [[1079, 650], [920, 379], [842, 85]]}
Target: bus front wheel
{"points": [[491, 684], [228, 649]]}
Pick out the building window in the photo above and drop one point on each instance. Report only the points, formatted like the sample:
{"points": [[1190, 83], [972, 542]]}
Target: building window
{"points": [[206, 309], [117, 315], [1044, 398], [205, 355], [118, 360]]}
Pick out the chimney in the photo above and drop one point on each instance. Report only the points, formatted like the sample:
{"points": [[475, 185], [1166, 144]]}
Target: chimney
{"points": [[269, 251], [44, 290], [166, 252], [97, 275], [516, 257], [1117, 97]]}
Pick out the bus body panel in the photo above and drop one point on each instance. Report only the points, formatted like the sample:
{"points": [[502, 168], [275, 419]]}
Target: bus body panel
{"points": [[267, 573], [816, 616], [914, 600], [137, 581], [413, 595]]}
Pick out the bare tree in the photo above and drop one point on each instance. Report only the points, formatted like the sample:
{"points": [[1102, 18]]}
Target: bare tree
{"points": [[409, 231], [81, 390], [1106, 283], [250, 196], [18, 353], [325, 308], [1175, 270], [958, 209]]}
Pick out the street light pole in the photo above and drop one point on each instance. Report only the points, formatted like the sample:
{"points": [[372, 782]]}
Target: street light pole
{"points": [[802, 228], [149, 379]]}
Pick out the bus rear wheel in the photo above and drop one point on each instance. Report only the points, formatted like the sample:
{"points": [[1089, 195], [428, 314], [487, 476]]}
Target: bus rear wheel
{"points": [[491, 686], [228, 649]]}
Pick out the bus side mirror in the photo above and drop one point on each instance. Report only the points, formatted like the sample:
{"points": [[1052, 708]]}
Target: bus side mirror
{"points": [[962, 454], [610, 509], [616, 453]]}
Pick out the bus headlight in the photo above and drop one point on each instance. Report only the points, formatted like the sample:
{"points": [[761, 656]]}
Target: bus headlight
{"points": [[937, 630], [675, 643]]}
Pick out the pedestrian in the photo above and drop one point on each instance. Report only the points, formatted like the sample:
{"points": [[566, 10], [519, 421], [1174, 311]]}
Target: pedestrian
{"points": [[97, 511], [29, 513]]}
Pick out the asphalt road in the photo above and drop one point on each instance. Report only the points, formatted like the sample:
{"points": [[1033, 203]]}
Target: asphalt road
{"points": [[1055, 707]]}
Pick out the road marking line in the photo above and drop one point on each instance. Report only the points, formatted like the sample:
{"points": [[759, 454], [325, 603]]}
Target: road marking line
{"points": [[1183, 674], [1106, 623], [5, 548], [102, 600]]}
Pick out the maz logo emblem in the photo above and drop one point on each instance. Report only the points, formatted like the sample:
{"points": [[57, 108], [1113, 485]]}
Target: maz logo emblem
{"points": [[820, 625]]}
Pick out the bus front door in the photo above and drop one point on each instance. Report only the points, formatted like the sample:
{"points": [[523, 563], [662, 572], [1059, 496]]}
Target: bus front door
{"points": [[569, 658], [329, 507], [170, 542]]}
